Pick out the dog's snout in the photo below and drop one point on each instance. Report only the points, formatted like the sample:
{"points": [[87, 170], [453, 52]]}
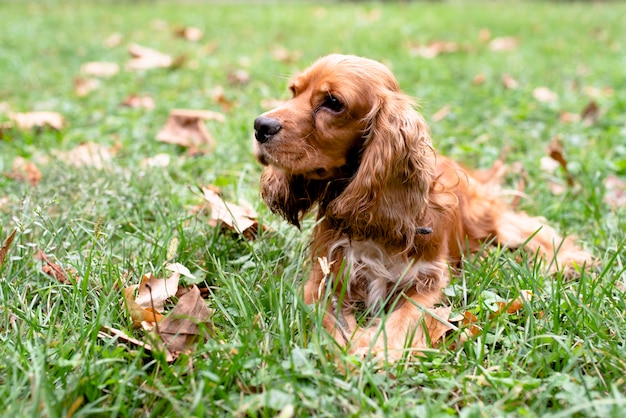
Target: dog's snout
{"points": [[265, 128]]}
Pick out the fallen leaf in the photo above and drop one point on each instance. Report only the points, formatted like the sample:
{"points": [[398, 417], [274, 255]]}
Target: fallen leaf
{"points": [[54, 270], [84, 86], [478, 79], [100, 69], [597, 93], [544, 94], [509, 82], [484, 35], [135, 101], [568, 117], [180, 269], [437, 323], [186, 128], [235, 217], [503, 44], [144, 58], [138, 313], [433, 49], [591, 113], [5, 247], [615, 191], [25, 171], [219, 96], [190, 33], [187, 323], [88, 154], [239, 77], [159, 160], [32, 120], [282, 54], [555, 151], [154, 292], [113, 40], [441, 113]]}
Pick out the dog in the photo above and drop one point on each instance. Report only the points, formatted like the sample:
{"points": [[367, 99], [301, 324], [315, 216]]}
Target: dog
{"points": [[393, 217]]}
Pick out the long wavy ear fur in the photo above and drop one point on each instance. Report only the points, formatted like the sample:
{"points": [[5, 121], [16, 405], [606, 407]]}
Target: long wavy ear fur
{"points": [[390, 187], [290, 196]]}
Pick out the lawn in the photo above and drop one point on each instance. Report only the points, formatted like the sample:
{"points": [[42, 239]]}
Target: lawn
{"points": [[495, 80]]}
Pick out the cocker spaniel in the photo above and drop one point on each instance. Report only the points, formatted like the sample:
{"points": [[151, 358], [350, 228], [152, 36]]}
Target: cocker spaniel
{"points": [[393, 217]]}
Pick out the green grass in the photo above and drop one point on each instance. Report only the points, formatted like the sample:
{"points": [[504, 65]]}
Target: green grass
{"points": [[561, 355]]}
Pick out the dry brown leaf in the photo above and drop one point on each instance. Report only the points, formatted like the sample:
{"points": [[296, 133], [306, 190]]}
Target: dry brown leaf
{"points": [[555, 151], [84, 86], [25, 171], [568, 117], [239, 77], [100, 69], [284, 55], [144, 58], [502, 44], [191, 33], [31, 120], [54, 270], [478, 79], [188, 323], [544, 95], [186, 128], [139, 314], [219, 96], [437, 323], [484, 35], [591, 113], [113, 40], [88, 154], [441, 113], [615, 191], [136, 101], [154, 292], [433, 49], [509, 82], [5, 247], [235, 217]]}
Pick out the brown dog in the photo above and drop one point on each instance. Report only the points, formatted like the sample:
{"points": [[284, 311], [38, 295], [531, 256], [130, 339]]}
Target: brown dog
{"points": [[392, 215]]}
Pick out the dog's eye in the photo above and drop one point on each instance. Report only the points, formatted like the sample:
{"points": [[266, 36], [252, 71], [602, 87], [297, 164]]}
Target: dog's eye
{"points": [[333, 104]]}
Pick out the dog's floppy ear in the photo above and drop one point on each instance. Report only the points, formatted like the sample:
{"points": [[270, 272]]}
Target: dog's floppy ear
{"points": [[290, 196], [396, 168]]}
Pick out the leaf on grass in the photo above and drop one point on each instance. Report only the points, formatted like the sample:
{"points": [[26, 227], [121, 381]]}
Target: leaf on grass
{"points": [[180, 269], [186, 128], [239, 77], [478, 79], [509, 82], [136, 101], [568, 117], [88, 154], [188, 323], [54, 270], [190, 33], [113, 40], [437, 323], [555, 151], [5, 247], [32, 120], [544, 95], [484, 35], [615, 191], [159, 160], [441, 113], [433, 49], [591, 113], [219, 96], [154, 292], [144, 58], [100, 69], [24, 171], [503, 44], [84, 86], [234, 217], [138, 313]]}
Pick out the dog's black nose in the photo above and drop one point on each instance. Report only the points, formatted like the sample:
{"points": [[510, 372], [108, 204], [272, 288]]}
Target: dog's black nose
{"points": [[265, 128]]}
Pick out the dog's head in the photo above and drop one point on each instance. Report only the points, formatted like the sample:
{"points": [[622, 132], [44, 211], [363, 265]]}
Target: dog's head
{"points": [[348, 138]]}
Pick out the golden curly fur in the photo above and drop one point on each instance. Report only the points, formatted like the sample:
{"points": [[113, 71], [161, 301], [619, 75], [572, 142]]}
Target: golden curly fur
{"points": [[392, 215]]}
